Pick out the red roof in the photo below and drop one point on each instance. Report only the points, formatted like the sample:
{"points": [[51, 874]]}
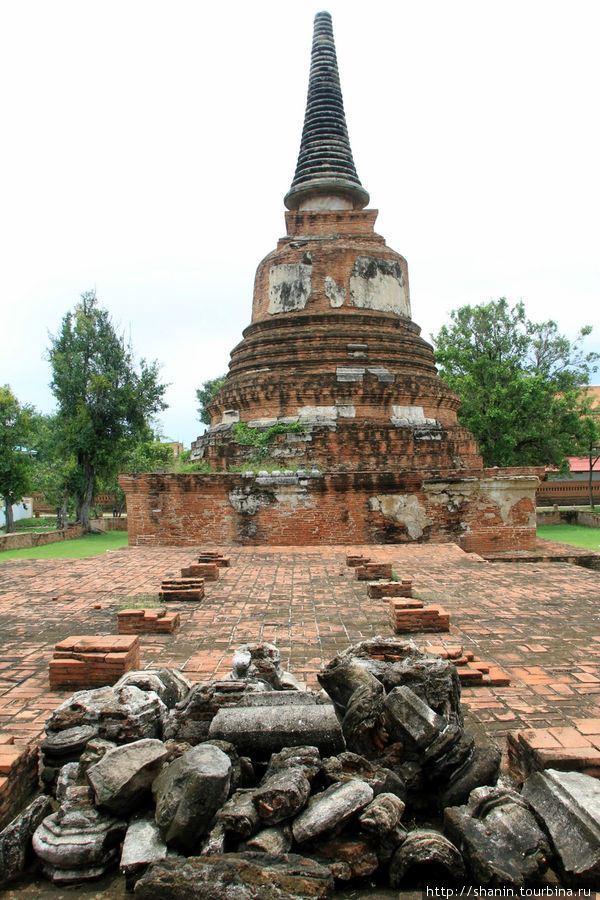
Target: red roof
{"points": [[582, 464]]}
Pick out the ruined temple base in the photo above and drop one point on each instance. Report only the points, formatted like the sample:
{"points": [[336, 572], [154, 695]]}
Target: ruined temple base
{"points": [[483, 511]]}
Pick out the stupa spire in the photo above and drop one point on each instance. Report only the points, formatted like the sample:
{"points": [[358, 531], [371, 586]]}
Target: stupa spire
{"points": [[325, 174]]}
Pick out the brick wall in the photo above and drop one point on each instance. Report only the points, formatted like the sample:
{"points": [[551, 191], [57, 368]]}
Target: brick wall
{"points": [[492, 509]]}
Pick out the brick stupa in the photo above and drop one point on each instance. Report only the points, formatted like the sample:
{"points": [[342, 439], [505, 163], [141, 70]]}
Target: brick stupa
{"points": [[333, 358]]}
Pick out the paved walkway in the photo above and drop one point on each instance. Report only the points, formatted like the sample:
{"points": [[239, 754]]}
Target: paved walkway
{"points": [[539, 621]]}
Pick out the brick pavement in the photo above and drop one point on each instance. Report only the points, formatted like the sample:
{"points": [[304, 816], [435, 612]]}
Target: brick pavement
{"points": [[539, 621]]}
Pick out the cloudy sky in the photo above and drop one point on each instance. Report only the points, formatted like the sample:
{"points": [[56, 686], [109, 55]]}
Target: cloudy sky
{"points": [[148, 145]]}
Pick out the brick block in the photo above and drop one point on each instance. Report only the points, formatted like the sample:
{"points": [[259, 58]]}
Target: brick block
{"points": [[424, 619], [209, 571], [87, 661], [214, 556], [147, 621], [354, 560], [380, 590], [566, 749], [373, 570]]}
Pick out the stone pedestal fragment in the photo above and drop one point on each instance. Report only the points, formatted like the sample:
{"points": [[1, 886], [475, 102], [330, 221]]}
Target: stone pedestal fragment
{"points": [[423, 850], [499, 838], [568, 803], [79, 842]]}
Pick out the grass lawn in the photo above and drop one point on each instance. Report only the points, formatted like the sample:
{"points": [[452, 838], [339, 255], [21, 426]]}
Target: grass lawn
{"points": [[576, 535], [90, 545]]}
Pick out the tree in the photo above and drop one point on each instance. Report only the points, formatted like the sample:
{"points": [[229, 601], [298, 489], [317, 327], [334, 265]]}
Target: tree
{"points": [[15, 457], [104, 403], [519, 382], [205, 394], [589, 442], [148, 455]]}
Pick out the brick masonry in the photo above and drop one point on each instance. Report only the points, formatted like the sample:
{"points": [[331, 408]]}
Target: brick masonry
{"points": [[350, 508], [147, 621], [208, 571], [88, 661], [383, 590], [18, 776], [412, 616], [572, 748]]}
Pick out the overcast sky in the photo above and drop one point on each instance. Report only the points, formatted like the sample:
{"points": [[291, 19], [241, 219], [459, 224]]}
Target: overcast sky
{"points": [[147, 147]]}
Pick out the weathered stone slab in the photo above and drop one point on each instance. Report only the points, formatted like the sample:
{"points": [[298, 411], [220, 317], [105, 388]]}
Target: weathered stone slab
{"points": [[282, 795], [143, 845], [411, 719], [124, 775], [568, 803], [191, 718], [15, 839], [260, 731], [331, 808], [188, 793], [236, 876]]}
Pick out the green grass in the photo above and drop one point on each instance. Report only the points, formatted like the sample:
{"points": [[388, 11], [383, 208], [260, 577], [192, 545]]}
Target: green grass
{"points": [[576, 535], [78, 548]]}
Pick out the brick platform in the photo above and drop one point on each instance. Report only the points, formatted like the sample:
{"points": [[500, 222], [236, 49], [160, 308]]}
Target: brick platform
{"points": [[147, 621], [408, 616], [576, 747], [87, 661]]}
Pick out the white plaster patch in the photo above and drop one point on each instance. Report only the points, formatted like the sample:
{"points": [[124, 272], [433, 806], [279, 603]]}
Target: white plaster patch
{"points": [[346, 410], [318, 415], [404, 509], [334, 292], [349, 373], [379, 284], [230, 416], [247, 501], [265, 422], [507, 492], [290, 287]]}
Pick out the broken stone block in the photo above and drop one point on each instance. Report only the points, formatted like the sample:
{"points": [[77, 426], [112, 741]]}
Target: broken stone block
{"points": [[61, 747], [568, 803], [331, 808], [248, 875], [279, 698], [15, 839], [214, 841], [124, 775], [239, 814], [258, 662], [78, 842], [382, 815], [120, 714], [411, 720], [68, 776], [190, 719], [350, 765], [363, 722], [342, 676], [420, 852], [432, 679], [169, 684], [282, 795], [349, 857], [499, 838], [261, 730], [308, 759], [273, 840], [188, 793], [142, 846], [481, 768], [93, 753]]}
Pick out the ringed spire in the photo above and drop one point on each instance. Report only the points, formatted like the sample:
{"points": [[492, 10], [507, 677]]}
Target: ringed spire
{"points": [[325, 176]]}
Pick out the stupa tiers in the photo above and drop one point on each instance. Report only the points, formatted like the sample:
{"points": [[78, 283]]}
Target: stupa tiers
{"points": [[333, 358]]}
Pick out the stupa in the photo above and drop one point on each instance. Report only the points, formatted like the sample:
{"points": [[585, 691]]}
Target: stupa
{"points": [[335, 376]]}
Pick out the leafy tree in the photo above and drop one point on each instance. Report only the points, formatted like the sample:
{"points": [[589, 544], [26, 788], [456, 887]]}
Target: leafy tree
{"points": [[589, 442], [53, 474], [104, 402], [15, 457], [205, 394], [519, 382], [147, 455]]}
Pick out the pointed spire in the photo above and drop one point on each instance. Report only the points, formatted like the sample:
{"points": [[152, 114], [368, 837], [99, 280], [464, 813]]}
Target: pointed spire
{"points": [[325, 174]]}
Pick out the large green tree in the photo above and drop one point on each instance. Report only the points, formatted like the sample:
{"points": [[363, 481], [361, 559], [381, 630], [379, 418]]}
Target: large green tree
{"points": [[205, 394], [15, 455], [519, 381], [105, 401]]}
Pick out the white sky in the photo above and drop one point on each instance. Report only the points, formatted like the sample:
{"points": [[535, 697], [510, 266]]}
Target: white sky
{"points": [[147, 147]]}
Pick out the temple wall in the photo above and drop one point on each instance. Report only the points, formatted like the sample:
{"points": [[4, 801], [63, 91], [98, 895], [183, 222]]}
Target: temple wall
{"points": [[489, 510]]}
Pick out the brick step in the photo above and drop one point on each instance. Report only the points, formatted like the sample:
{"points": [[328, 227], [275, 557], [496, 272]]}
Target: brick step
{"points": [[383, 590], [354, 560], [182, 583], [373, 570], [183, 594], [424, 619], [214, 556], [147, 621], [209, 571], [571, 748]]}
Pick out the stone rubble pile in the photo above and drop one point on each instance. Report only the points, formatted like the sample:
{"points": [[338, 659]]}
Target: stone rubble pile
{"points": [[253, 787]]}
